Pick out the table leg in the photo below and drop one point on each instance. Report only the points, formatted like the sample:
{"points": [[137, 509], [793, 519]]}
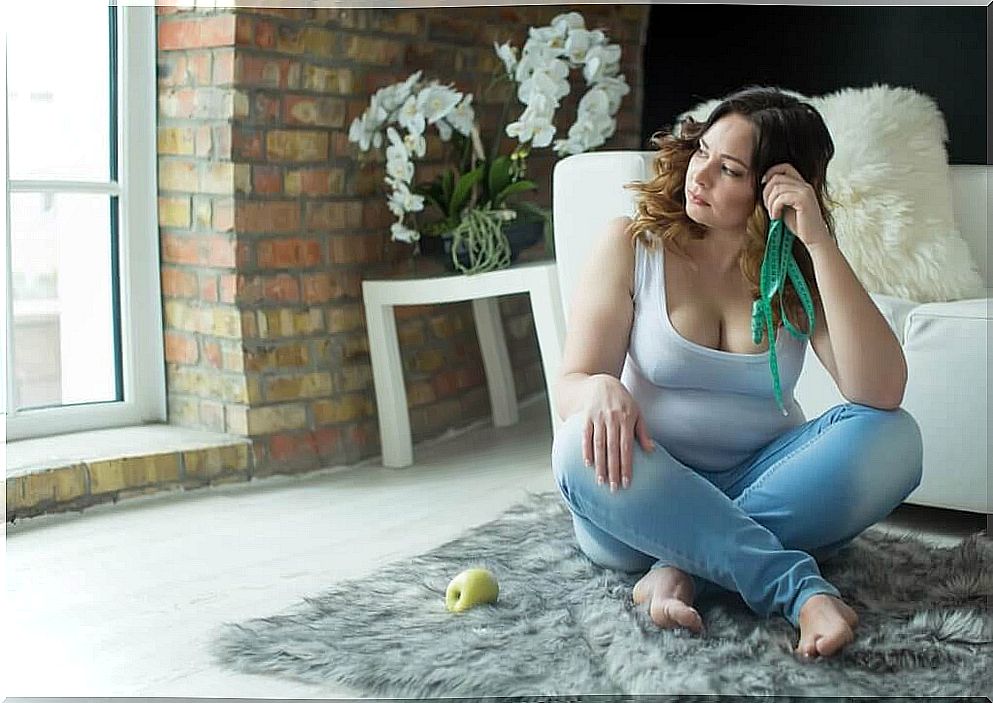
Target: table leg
{"points": [[496, 361], [549, 325], [391, 393]]}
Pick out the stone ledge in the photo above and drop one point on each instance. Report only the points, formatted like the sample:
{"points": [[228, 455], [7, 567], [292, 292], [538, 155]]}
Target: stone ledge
{"points": [[74, 471]]}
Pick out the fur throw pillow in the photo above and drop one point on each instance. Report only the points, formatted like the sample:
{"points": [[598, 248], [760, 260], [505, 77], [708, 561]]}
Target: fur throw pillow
{"points": [[890, 180]]}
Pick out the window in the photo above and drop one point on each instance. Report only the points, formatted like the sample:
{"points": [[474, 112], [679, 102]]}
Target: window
{"points": [[82, 333]]}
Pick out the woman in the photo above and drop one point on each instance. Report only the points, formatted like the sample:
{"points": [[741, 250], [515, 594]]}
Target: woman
{"points": [[673, 457]]}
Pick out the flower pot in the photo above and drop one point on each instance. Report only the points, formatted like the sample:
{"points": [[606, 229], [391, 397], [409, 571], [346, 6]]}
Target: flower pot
{"points": [[520, 236]]}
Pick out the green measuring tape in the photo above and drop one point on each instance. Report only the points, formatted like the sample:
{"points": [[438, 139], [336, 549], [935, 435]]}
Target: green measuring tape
{"points": [[777, 265]]}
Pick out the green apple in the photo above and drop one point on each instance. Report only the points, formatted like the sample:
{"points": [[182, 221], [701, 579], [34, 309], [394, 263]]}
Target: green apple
{"points": [[471, 587]]}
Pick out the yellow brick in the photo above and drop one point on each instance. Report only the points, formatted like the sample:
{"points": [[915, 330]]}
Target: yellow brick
{"points": [[222, 322], [319, 42], [420, 392], [411, 334], [176, 141], [181, 316], [309, 385], [445, 326], [202, 212], [236, 419], [289, 323], [296, 145], [177, 175], [240, 104], [266, 420], [183, 410], [54, 486], [213, 461], [356, 378], [346, 318], [243, 178], [133, 472], [428, 360], [344, 409], [174, 212], [328, 80], [217, 178], [356, 347]]}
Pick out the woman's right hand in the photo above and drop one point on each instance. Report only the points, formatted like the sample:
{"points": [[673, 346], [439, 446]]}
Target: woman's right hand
{"points": [[613, 423]]}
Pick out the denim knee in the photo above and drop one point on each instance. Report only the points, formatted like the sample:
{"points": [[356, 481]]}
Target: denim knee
{"points": [[898, 431], [567, 450]]}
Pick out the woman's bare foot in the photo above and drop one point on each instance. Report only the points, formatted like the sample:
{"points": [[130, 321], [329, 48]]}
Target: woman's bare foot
{"points": [[827, 624], [669, 593]]}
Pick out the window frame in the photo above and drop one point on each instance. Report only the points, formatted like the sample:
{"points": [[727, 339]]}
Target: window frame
{"points": [[138, 265]]}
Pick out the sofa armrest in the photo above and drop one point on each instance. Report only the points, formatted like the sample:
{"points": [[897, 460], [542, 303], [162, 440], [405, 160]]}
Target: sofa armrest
{"points": [[947, 351]]}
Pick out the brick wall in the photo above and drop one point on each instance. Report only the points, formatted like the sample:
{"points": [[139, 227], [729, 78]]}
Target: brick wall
{"points": [[269, 223]]}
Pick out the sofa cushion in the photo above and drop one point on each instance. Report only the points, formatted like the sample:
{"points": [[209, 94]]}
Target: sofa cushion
{"points": [[890, 179]]}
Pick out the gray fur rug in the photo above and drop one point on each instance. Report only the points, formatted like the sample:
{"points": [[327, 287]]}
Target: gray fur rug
{"points": [[564, 626]]}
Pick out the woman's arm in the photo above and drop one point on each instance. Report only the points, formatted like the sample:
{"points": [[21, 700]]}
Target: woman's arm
{"points": [[856, 344], [600, 316], [861, 352]]}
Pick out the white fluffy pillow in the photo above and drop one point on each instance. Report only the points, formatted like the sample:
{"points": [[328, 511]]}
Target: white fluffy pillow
{"points": [[890, 178]]}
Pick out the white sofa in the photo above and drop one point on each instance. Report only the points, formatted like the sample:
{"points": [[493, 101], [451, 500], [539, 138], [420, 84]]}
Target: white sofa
{"points": [[946, 344]]}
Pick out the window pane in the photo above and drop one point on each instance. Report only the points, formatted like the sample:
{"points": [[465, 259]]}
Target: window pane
{"points": [[58, 90], [63, 297]]}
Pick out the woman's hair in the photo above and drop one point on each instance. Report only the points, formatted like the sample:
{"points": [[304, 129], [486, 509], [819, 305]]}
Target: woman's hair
{"points": [[787, 131]]}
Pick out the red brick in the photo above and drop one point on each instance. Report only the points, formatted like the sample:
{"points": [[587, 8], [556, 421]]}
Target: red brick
{"points": [[221, 252], [264, 72], [308, 110], [356, 249], [281, 288], [244, 30], [180, 348], [376, 215], [292, 447], [246, 143], [178, 284], [222, 218], [289, 253], [317, 287], [199, 64], [212, 353], [265, 34], [267, 180], [337, 215], [228, 288], [327, 439], [208, 288], [267, 217], [265, 108], [445, 383], [196, 33], [177, 249]]}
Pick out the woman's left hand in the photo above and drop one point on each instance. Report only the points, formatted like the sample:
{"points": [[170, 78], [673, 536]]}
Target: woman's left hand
{"points": [[785, 194]]}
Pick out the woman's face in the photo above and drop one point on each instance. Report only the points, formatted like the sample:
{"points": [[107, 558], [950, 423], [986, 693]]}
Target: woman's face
{"points": [[719, 189]]}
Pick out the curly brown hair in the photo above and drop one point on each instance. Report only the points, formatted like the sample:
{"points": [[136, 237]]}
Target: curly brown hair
{"points": [[787, 131]]}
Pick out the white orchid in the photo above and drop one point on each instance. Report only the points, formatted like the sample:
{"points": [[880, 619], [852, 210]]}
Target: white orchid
{"points": [[402, 200], [507, 54], [401, 113], [462, 116], [436, 101], [542, 78], [401, 233], [410, 116]]}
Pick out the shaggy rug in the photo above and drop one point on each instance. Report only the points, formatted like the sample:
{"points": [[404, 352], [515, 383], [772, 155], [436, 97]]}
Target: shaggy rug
{"points": [[564, 626]]}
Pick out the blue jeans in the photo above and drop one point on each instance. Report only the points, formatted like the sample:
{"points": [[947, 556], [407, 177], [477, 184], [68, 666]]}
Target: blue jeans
{"points": [[758, 528]]}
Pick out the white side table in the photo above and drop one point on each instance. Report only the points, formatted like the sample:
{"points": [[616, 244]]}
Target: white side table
{"points": [[538, 278]]}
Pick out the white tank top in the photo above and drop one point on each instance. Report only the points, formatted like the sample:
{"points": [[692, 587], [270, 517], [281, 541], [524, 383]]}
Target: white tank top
{"points": [[710, 409]]}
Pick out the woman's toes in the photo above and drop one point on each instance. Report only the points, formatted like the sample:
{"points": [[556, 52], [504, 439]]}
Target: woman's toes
{"points": [[670, 613]]}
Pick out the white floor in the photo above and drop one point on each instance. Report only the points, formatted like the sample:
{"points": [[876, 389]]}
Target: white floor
{"points": [[122, 600]]}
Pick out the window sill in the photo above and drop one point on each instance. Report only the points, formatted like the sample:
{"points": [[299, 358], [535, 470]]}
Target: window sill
{"points": [[74, 471]]}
